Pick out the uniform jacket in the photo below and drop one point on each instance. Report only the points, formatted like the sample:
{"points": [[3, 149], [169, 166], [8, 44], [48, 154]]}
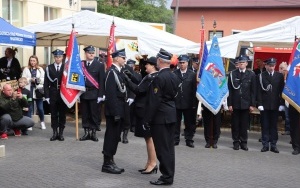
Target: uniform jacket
{"points": [[15, 68], [186, 97], [12, 107], [141, 92], [270, 99], [52, 81], [96, 70], [40, 73], [242, 89], [114, 98], [161, 104]]}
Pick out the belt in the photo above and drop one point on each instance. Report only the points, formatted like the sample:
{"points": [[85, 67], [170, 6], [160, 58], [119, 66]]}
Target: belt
{"points": [[90, 88]]}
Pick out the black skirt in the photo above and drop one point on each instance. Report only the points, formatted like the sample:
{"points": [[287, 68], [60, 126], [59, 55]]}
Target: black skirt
{"points": [[139, 130]]}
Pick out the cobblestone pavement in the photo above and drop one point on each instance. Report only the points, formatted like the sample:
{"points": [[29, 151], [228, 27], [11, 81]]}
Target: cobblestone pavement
{"points": [[33, 161]]}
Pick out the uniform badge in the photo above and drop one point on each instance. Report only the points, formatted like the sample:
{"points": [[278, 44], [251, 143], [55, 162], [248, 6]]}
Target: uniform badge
{"points": [[155, 90]]}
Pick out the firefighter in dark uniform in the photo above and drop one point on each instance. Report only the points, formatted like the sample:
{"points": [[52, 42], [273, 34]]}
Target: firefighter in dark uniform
{"points": [[90, 100], [58, 108], [128, 69], [161, 117], [269, 100], [115, 91], [185, 101], [241, 100]]}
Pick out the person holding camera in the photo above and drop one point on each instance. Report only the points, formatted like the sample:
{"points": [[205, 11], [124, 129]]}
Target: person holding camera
{"points": [[35, 77], [11, 112], [115, 92]]}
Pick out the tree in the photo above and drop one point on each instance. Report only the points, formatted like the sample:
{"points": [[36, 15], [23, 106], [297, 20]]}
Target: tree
{"points": [[154, 11]]}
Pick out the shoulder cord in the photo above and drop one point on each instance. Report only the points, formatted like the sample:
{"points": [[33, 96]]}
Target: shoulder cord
{"points": [[238, 87], [48, 75], [122, 90], [269, 87]]}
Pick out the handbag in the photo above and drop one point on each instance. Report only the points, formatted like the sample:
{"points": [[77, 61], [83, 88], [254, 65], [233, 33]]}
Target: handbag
{"points": [[39, 93]]}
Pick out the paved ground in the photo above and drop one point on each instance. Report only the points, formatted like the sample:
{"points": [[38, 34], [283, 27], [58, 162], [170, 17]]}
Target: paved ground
{"points": [[33, 161]]}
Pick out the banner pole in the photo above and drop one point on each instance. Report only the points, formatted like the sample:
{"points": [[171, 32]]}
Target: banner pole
{"points": [[76, 119]]}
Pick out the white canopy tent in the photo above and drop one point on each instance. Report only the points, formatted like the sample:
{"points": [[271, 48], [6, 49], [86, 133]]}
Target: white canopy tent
{"points": [[93, 29], [279, 34]]}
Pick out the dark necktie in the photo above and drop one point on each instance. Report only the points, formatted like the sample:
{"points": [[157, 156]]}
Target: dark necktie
{"points": [[88, 64], [57, 69]]}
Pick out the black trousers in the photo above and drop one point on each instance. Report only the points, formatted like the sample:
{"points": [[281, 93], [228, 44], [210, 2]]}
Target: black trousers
{"points": [[163, 138], [112, 136], [294, 116], [127, 119], [212, 125], [58, 113], [269, 128], [189, 118], [91, 113], [239, 124]]}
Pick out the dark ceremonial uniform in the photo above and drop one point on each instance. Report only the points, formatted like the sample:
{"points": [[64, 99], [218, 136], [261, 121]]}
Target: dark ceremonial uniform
{"points": [[140, 104], [242, 95], [52, 90], [212, 125], [161, 116], [186, 102], [12, 72], [295, 129], [90, 108], [270, 88]]}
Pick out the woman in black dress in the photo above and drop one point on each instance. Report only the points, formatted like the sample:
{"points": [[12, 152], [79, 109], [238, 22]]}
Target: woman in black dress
{"points": [[141, 91]]}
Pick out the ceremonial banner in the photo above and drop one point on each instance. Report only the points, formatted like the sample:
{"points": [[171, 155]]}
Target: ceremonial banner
{"points": [[202, 59], [111, 46], [291, 91], [72, 83], [212, 89]]}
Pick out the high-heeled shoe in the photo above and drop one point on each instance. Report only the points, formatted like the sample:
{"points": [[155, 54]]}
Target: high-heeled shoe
{"points": [[153, 171], [141, 170]]}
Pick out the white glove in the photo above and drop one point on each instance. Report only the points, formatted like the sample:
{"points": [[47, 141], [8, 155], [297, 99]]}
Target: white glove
{"points": [[260, 108], [225, 106], [99, 99], [281, 108], [48, 100], [130, 101]]}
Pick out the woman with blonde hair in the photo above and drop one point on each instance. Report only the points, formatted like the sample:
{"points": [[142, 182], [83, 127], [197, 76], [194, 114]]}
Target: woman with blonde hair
{"points": [[35, 77]]}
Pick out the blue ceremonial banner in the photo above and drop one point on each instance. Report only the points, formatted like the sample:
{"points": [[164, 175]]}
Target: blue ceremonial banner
{"points": [[291, 91], [13, 36], [212, 89], [203, 60], [72, 84]]}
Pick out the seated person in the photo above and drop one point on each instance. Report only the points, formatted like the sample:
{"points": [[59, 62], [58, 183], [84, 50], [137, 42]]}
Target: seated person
{"points": [[11, 112]]}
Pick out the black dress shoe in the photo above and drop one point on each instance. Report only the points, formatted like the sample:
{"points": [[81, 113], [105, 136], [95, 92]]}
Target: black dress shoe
{"points": [[296, 152], [215, 146], [160, 182], [264, 149], [274, 149], [244, 147], [141, 170], [259, 139], [190, 144], [176, 143], [236, 147], [207, 145], [110, 169]]}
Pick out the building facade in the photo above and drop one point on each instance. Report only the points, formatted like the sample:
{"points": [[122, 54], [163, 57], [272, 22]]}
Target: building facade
{"points": [[21, 13], [231, 16]]}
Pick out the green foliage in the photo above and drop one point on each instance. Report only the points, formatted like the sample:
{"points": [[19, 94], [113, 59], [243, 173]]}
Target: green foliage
{"points": [[154, 11]]}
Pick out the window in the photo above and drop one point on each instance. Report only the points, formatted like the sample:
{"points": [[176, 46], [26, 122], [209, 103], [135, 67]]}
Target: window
{"points": [[50, 13], [218, 33]]}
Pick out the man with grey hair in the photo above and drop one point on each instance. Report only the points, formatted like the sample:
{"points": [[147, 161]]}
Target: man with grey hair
{"points": [[161, 117], [11, 108]]}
